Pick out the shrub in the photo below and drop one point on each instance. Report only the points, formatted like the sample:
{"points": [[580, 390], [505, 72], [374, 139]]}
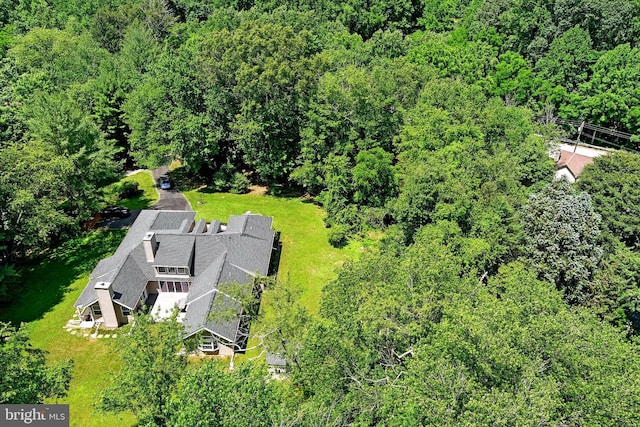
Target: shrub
{"points": [[350, 217], [127, 190], [239, 184], [338, 235], [222, 180], [9, 283], [219, 182], [374, 217]]}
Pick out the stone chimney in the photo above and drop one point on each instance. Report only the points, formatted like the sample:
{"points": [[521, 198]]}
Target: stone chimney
{"points": [[105, 295], [150, 246]]}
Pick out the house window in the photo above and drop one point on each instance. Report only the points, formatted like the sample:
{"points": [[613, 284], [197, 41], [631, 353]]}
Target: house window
{"points": [[125, 311], [170, 286], [96, 311], [172, 270], [208, 343]]}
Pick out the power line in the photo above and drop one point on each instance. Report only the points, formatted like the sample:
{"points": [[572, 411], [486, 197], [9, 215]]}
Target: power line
{"points": [[594, 134]]}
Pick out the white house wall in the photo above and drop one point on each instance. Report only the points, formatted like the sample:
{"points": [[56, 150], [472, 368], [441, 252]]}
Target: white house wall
{"points": [[563, 172]]}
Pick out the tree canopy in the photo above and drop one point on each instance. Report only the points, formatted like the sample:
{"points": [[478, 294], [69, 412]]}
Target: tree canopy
{"points": [[486, 294], [26, 377]]}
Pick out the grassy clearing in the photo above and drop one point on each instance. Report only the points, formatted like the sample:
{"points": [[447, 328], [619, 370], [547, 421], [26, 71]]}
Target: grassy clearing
{"points": [[51, 288], [47, 284], [148, 195], [307, 259]]}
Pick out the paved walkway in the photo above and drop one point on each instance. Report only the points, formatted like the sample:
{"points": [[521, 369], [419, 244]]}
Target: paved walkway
{"points": [[75, 327]]}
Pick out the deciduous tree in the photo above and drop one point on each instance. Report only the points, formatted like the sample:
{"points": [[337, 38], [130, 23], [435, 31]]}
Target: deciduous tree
{"points": [[209, 395], [613, 182], [32, 182], [151, 368], [26, 376]]}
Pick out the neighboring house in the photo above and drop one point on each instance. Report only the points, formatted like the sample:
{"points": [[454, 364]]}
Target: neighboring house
{"points": [[573, 158], [277, 366], [570, 165], [168, 260]]}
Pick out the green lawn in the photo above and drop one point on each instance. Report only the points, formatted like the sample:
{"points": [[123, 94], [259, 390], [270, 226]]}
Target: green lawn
{"points": [[148, 193], [307, 259], [51, 288]]}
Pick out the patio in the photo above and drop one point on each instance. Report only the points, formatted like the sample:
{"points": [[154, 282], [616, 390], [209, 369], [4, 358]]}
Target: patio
{"points": [[165, 302], [80, 324]]}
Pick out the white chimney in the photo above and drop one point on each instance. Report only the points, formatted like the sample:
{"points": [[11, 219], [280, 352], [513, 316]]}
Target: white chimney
{"points": [[150, 246]]}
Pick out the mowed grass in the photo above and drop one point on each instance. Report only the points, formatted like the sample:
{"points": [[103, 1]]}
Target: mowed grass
{"points": [[51, 288], [147, 197], [307, 260]]}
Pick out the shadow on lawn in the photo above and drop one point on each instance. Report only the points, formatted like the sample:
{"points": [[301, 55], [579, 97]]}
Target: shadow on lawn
{"points": [[182, 180], [45, 281], [141, 201], [276, 190], [289, 190]]}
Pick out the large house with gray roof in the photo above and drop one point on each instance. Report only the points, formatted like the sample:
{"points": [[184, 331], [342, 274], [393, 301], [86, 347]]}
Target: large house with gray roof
{"points": [[168, 260]]}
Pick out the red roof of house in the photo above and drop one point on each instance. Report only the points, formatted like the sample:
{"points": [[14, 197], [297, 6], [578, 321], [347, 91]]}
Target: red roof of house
{"points": [[574, 162]]}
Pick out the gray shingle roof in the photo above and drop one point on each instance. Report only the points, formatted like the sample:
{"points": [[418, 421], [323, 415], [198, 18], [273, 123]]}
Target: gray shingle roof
{"points": [[108, 268], [174, 250], [199, 227], [129, 283], [105, 271], [207, 280], [259, 226], [207, 251], [236, 224], [215, 313], [171, 220], [214, 227], [214, 257], [247, 252], [224, 317], [196, 316], [275, 360], [232, 274]]}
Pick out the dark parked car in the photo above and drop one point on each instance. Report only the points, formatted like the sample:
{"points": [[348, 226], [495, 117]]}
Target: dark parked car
{"points": [[115, 212]]}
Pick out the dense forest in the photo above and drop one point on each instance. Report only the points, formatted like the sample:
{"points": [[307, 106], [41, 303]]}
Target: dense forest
{"points": [[494, 296]]}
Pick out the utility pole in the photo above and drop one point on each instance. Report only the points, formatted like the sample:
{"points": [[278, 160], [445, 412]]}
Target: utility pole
{"points": [[580, 128]]}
